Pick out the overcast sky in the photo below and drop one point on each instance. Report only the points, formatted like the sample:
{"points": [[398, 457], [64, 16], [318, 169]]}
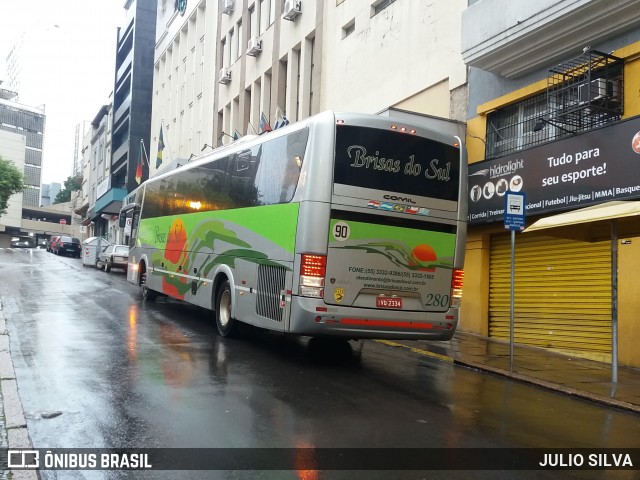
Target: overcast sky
{"points": [[70, 70]]}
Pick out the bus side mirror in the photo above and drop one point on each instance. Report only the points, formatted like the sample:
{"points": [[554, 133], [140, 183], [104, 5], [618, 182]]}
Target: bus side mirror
{"points": [[122, 220]]}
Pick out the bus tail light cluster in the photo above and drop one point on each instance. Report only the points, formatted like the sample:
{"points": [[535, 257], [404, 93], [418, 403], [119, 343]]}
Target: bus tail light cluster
{"points": [[457, 281], [313, 269]]}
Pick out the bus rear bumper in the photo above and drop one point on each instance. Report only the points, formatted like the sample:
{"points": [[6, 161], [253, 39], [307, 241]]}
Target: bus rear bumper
{"points": [[313, 317]]}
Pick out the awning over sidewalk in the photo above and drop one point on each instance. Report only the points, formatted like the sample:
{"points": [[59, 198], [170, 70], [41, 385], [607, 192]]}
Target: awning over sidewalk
{"points": [[596, 213]]}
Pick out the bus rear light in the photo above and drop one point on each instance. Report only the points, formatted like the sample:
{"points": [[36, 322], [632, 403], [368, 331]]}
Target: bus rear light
{"points": [[457, 281], [313, 265], [314, 292], [313, 269], [311, 281]]}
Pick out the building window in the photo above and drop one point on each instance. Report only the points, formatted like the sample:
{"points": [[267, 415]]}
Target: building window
{"points": [[349, 28], [32, 175], [31, 197], [252, 26], [223, 49], [33, 157], [511, 128], [239, 39], [380, 5]]}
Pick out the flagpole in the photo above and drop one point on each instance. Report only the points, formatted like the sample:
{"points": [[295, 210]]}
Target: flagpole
{"points": [[166, 144], [146, 156]]}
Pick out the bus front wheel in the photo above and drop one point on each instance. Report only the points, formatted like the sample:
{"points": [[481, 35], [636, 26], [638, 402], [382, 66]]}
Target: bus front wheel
{"points": [[225, 323], [147, 293]]}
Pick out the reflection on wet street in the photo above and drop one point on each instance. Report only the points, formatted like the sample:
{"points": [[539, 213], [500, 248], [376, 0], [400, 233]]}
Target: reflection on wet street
{"points": [[119, 372]]}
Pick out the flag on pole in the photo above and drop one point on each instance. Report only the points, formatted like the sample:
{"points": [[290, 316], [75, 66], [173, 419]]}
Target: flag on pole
{"points": [[281, 120], [139, 167], [160, 148], [236, 135], [264, 124]]}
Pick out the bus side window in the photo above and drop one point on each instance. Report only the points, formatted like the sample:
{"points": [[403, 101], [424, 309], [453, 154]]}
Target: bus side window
{"points": [[241, 180], [279, 168]]}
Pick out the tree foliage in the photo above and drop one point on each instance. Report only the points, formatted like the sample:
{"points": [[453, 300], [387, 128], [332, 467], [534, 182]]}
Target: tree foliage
{"points": [[71, 184], [11, 181]]}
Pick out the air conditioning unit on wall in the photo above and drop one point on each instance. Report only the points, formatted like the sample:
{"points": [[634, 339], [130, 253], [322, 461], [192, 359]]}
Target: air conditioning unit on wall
{"points": [[599, 89], [227, 7], [254, 47], [292, 8], [225, 76]]}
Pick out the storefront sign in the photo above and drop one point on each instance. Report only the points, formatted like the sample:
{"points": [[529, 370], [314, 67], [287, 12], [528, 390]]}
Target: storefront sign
{"points": [[575, 172]]}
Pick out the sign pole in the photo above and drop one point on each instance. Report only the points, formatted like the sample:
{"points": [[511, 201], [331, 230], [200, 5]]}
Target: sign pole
{"points": [[511, 321], [514, 219]]}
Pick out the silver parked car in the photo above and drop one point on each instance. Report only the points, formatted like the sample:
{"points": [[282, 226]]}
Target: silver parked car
{"points": [[114, 256]]}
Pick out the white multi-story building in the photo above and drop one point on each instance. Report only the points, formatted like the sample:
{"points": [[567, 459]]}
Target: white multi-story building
{"points": [[81, 130], [12, 148], [30, 122], [221, 65]]}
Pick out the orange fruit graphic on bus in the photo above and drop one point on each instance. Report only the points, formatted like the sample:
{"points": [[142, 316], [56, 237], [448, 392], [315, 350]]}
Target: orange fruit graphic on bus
{"points": [[175, 253], [422, 255], [176, 241]]}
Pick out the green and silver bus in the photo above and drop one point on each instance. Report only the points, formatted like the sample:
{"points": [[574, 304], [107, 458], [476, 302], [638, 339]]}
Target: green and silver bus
{"points": [[340, 224]]}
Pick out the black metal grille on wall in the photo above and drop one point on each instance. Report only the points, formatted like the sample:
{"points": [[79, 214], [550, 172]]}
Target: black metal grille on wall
{"points": [[582, 94], [586, 92]]}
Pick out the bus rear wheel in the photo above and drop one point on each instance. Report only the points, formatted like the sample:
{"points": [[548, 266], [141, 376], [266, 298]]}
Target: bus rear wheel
{"points": [[224, 322]]}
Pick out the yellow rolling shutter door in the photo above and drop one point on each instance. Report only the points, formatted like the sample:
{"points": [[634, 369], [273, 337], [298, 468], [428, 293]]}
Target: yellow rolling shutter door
{"points": [[562, 294]]}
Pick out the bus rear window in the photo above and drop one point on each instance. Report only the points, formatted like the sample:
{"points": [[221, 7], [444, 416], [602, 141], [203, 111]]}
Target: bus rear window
{"points": [[398, 162]]}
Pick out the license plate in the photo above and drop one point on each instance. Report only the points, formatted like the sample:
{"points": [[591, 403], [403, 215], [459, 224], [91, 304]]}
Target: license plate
{"points": [[118, 259], [388, 302]]}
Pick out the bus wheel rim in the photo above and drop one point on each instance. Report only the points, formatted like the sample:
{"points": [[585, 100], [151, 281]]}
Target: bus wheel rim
{"points": [[225, 308]]}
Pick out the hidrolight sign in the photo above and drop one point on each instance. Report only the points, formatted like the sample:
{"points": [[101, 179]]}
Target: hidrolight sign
{"points": [[575, 172]]}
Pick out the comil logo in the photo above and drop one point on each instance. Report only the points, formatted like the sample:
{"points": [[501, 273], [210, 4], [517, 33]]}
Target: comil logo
{"points": [[399, 199], [23, 459], [635, 143]]}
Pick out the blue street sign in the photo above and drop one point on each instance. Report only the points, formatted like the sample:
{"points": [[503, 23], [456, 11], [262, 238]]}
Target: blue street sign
{"points": [[514, 210]]}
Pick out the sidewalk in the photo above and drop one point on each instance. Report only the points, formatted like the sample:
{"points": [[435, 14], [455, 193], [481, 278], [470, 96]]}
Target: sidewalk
{"points": [[13, 425], [573, 376]]}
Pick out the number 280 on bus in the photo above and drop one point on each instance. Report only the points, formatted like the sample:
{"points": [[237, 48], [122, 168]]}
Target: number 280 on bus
{"points": [[340, 224]]}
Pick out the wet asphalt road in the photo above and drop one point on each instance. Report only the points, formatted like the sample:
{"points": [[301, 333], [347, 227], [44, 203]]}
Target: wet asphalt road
{"points": [[97, 367]]}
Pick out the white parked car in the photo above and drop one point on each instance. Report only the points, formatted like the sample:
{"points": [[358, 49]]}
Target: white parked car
{"points": [[114, 256]]}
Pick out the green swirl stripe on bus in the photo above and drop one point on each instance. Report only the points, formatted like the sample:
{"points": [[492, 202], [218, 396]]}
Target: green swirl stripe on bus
{"points": [[422, 257], [181, 252]]}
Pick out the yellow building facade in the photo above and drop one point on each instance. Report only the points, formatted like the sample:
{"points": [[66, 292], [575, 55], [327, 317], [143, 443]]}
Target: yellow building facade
{"points": [[563, 286]]}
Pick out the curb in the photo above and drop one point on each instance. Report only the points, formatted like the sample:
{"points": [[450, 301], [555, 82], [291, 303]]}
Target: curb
{"points": [[611, 402], [10, 405], [601, 399]]}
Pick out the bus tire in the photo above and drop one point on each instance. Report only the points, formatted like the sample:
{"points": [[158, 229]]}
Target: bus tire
{"points": [[147, 293], [224, 322]]}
